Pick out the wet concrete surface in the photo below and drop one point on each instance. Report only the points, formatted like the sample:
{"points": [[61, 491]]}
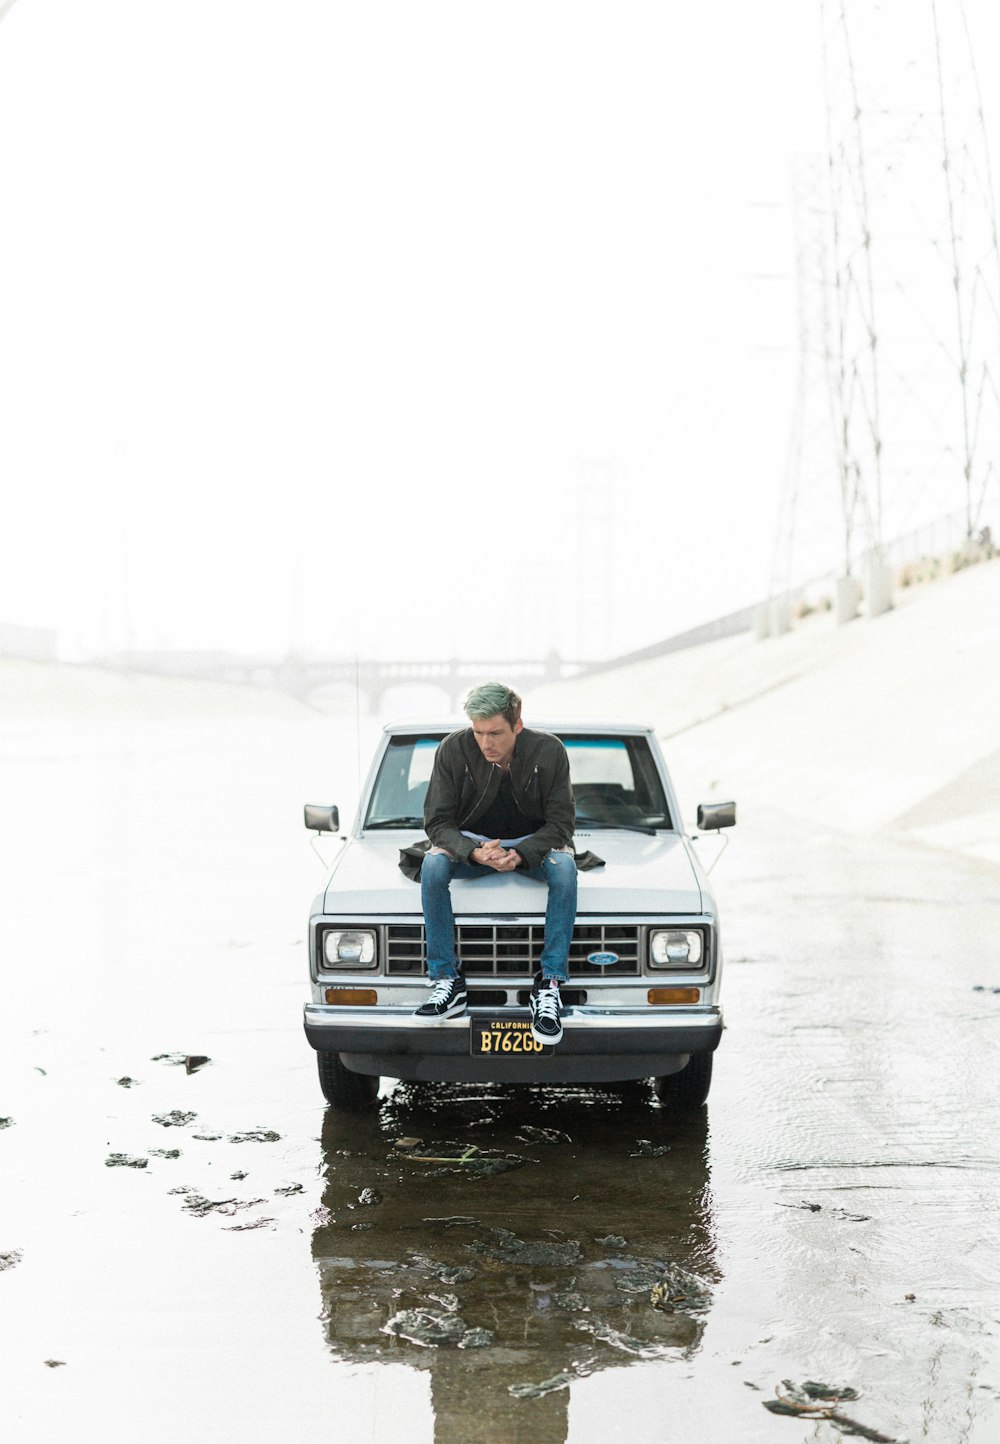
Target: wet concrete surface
{"points": [[211, 1253]]}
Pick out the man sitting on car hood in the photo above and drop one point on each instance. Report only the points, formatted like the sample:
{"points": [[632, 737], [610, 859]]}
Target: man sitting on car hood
{"points": [[499, 800]]}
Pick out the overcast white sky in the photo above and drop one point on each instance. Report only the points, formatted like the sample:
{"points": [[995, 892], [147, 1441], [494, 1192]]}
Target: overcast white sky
{"points": [[409, 328]]}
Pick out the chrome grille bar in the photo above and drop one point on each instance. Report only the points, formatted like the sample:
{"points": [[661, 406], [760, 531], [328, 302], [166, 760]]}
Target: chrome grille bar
{"points": [[506, 949]]}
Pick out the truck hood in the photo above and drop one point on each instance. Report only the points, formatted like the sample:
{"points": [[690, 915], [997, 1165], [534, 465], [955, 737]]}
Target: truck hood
{"points": [[642, 874]]}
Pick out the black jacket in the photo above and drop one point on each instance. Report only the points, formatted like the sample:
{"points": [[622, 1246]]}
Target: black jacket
{"points": [[463, 784]]}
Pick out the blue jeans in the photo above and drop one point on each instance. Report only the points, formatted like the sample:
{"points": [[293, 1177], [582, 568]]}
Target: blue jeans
{"points": [[557, 871]]}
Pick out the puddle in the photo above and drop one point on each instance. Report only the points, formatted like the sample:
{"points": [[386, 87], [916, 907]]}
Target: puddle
{"points": [[537, 1270]]}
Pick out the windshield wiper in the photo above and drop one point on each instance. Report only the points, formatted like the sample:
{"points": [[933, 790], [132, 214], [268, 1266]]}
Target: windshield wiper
{"points": [[394, 822], [619, 826]]}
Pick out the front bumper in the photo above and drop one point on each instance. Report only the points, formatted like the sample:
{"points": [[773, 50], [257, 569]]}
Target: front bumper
{"points": [[597, 1044]]}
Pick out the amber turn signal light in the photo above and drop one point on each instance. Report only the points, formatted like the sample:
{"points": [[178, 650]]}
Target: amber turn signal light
{"points": [[352, 997], [673, 995]]}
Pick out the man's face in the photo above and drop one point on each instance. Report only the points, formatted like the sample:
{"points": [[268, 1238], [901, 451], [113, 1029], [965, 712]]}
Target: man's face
{"points": [[496, 737]]}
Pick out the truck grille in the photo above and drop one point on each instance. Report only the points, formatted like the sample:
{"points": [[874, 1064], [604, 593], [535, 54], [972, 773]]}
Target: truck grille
{"points": [[503, 949]]}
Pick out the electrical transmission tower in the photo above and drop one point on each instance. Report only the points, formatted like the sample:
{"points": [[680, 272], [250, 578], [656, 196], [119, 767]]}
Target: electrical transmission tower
{"points": [[809, 511], [908, 270], [972, 256], [854, 356]]}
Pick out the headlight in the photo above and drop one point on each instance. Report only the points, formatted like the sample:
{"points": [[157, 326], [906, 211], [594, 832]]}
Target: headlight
{"points": [[675, 950], [349, 949]]}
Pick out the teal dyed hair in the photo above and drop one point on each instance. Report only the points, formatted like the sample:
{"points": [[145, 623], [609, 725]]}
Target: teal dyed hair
{"points": [[493, 699]]}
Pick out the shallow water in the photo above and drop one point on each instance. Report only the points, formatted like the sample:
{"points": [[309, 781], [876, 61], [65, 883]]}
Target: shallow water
{"points": [[831, 1214]]}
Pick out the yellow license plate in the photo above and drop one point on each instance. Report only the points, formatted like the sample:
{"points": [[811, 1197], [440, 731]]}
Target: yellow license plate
{"points": [[504, 1038]]}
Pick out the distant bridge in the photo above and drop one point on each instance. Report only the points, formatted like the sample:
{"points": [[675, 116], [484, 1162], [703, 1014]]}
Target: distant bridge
{"points": [[375, 678], [304, 677]]}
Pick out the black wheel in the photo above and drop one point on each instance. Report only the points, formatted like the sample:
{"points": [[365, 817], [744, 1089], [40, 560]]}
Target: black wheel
{"points": [[688, 1088], [343, 1088]]}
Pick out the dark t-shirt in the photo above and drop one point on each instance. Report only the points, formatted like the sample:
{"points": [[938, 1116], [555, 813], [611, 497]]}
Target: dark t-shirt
{"points": [[503, 817]]}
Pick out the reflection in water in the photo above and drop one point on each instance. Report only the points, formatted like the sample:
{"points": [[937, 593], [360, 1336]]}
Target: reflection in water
{"points": [[509, 1285]]}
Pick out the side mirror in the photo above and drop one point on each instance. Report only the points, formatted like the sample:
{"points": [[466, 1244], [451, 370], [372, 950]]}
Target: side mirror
{"points": [[713, 815], [321, 819]]}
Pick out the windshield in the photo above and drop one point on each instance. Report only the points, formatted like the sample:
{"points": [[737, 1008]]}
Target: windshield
{"points": [[615, 782]]}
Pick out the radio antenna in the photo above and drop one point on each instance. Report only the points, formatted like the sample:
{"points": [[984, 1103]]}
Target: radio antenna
{"points": [[357, 716]]}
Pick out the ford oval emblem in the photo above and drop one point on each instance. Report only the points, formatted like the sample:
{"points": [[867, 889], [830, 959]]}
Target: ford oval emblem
{"points": [[602, 960]]}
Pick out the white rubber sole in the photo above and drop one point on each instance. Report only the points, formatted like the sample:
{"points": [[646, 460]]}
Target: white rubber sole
{"points": [[455, 1011]]}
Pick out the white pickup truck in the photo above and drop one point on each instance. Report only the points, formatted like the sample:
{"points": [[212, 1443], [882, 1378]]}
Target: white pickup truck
{"points": [[642, 1000]]}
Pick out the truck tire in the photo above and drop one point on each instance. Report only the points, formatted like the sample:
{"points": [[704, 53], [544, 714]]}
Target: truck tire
{"points": [[343, 1088], [688, 1088]]}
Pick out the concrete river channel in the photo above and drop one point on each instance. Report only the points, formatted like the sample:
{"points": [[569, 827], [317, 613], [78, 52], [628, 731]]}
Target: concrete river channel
{"points": [[201, 1250]]}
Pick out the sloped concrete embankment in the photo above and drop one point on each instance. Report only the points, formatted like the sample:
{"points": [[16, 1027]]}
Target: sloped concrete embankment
{"points": [[889, 724]]}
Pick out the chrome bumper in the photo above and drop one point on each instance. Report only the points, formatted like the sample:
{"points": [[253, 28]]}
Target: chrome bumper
{"points": [[587, 1030]]}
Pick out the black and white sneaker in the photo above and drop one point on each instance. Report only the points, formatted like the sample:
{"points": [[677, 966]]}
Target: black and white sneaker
{"points": [[447, 1000], [546, 1010]]}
